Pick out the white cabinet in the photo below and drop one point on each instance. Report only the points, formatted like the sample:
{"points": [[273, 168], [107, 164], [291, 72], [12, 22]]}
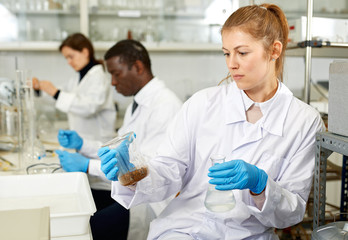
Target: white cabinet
{"points": [[38, 20], [162, 24]]}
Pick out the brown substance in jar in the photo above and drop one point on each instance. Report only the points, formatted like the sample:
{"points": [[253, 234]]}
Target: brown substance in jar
{"points": [[131, 178]]}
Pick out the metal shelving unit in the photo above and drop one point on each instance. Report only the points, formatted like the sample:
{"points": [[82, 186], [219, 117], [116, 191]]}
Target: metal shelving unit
{"points": [[327, 143], [309, 45]]}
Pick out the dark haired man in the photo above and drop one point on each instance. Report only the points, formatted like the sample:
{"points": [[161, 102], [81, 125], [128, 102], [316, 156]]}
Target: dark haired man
{"points": [[153, 107]]}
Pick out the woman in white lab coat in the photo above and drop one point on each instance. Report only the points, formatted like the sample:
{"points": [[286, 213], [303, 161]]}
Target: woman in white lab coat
{"points": [[87, 98], [266, 134]]}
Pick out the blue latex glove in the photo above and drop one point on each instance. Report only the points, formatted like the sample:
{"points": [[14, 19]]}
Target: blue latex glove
{"points": [[69, 139], [237, 174], [113, 160], [73, 162]]}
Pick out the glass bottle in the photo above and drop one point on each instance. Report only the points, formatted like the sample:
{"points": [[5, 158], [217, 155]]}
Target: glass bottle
{"points": [[217, 200], [132, 171]]}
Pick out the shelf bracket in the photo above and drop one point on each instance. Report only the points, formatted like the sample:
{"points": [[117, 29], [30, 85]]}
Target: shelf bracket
{"points": [[344, 190], [313, 44], [321, 156]]}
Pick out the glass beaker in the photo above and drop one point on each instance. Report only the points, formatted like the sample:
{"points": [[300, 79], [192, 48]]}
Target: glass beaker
{"points": [[218, 200], [132, 171]]}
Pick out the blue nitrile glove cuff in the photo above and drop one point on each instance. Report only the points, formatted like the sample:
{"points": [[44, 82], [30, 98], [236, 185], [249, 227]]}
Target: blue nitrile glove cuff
{"points": [[261, 182]]}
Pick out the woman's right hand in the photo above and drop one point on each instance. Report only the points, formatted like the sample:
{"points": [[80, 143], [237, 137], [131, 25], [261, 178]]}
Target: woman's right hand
{"points": [[36, 83]]}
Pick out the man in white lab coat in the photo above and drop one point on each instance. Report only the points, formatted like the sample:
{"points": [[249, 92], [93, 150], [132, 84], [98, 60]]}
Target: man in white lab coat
{"points": [[153, 108]]}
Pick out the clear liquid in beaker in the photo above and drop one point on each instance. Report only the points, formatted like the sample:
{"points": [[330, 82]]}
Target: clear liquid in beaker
{"points": [[217, 200]]}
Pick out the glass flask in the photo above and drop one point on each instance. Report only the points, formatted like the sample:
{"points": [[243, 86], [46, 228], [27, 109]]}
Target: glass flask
{"points": [[132, 171], [217, 200]]}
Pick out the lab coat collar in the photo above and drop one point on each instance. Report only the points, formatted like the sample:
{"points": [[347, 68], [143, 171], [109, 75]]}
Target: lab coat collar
{"points": [[272, 120], [247, 102], [264, 106], [234, 105], [145, 95]]}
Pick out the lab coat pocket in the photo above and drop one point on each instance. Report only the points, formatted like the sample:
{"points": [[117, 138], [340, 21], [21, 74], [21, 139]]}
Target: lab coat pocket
{"points": [[218, 226], [272, 164]]}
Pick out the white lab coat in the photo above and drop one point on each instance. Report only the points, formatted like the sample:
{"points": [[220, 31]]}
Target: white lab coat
{"points": [[89, 105], [213, 121], [157, 106]]}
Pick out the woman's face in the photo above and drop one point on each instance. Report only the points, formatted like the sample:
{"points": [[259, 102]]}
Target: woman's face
{"points": [[76, 59], [249, 65]]}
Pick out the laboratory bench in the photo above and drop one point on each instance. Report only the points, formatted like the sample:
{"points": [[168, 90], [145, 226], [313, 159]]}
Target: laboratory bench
{"points": [[51, 157]]}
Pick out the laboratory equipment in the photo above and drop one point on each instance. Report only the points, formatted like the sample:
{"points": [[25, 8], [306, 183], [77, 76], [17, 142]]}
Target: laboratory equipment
{"points": [[130, 170], [216, 200], [44, 168], [8, 115], [31, 148]]}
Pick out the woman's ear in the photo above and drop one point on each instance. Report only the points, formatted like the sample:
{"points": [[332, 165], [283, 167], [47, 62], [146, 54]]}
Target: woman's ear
{"points": [[277, 49], [85, 52]]}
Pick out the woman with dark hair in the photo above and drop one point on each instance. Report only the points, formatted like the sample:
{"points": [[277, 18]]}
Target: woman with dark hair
{"points": [[87, 99]]}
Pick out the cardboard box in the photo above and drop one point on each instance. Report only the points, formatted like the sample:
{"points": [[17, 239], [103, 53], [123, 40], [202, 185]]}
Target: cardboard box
{"points": [[338, 98], [68, 195]]}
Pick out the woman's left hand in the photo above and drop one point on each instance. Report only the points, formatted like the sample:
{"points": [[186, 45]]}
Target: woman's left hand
{"points": [[238, 174]]}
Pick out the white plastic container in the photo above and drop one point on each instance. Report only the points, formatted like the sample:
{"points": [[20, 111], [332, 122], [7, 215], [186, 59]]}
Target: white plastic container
{"points": [[332, 231], [67, 194]]}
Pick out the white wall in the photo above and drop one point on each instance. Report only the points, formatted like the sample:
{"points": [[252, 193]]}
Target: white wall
{"points": [[184, 72]]}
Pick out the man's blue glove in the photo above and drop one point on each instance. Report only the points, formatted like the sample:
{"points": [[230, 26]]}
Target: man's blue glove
{"points": [[238, 174], [73, 162], [69, 139], [113, 160], [108, 163]]}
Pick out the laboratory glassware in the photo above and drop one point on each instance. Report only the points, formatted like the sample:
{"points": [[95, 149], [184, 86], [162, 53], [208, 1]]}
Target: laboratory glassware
{"points": [[31, 149], [8, 115], [136, 169], [217, 200]]}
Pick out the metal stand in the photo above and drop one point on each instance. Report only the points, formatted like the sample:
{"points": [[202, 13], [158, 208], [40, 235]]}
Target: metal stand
{"points": [[326, 143], [344, 189]]}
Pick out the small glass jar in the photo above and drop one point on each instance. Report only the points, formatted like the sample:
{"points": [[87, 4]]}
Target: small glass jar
{"points": [[132, 171], [218, 200]]}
